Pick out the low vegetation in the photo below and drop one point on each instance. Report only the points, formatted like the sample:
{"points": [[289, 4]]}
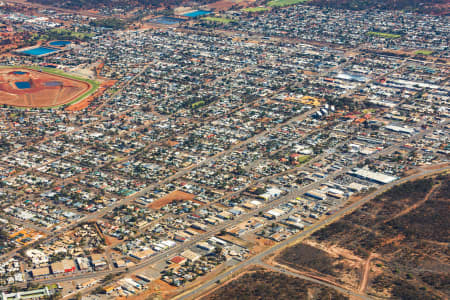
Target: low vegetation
{"points": [[87, 4], [113, 23], [422, 6], [272, 285], [302, 255], [407, 226]]}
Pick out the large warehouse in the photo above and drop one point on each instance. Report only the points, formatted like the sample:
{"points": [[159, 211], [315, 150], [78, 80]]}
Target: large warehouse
{"points": [[372, 176]]}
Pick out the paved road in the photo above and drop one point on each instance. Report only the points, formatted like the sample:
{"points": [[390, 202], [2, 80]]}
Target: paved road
{"points": [[257, 259]]}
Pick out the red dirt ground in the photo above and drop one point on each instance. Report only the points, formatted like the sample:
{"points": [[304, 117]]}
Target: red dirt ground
{"points": [[173, 196], [221, 5], [39, 94]]}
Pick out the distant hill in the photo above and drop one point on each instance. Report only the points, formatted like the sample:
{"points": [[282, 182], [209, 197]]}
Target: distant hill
{"points": [[439, 7]]}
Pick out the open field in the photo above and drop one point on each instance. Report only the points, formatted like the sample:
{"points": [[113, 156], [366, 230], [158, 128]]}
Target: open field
{"points": [[384, 35], [42, 87], [389, 247], [218, 20], [282, 3], [423, 52], [264, 284], [255, 9], [174, 196]]}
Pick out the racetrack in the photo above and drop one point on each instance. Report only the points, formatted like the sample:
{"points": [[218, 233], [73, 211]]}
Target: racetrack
{"points": [[24, 87]]}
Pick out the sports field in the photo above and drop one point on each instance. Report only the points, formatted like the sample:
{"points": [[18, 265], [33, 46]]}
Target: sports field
{"points": [[384, 35], [423, 52], [255, 9], [282, 3], [218, 20], [35, 87]]}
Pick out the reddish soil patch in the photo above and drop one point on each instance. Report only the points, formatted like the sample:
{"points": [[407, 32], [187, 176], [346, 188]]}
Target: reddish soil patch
{"points": [[172, 143], [99, 68], [44, 90], [221, 5], [111, 241], [157, 289], [80, 105], [174, 196], [261, 245], [86, 101]]}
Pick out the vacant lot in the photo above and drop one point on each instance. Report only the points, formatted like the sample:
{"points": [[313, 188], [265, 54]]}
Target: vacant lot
{"points": [[303, 255], [272, 285], [173, 196]]}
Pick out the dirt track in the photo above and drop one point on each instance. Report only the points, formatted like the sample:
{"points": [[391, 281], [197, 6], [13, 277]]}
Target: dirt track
{"points": [[365, 275]]}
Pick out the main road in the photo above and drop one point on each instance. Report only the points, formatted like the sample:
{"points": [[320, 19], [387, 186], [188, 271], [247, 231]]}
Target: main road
{"points": [[257, 259]]}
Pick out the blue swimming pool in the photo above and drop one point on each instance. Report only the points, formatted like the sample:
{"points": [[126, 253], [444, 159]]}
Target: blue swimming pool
{"points": [[19, 73], [197, 13], [166, 20], [39, 51], [23, 85], [60, 43]]}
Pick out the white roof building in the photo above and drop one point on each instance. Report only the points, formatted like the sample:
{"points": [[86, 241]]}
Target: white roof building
{"points": [[373, 176], [38, 257]]}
